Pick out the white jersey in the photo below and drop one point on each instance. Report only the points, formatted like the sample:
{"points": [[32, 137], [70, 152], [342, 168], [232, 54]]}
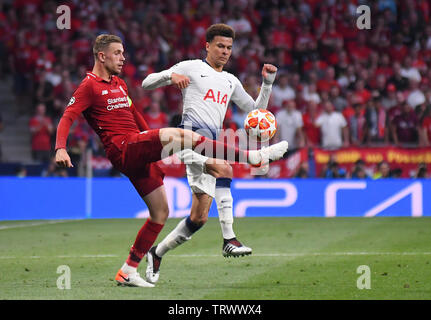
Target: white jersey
{"points": [[207, 97]]}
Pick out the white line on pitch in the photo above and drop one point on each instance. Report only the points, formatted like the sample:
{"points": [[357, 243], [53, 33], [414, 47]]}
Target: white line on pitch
{"points": [[34, 224], [299, 254]]}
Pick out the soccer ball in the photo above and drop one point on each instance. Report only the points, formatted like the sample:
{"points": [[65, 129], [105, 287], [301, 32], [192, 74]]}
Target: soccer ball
{"points": [[260, 124]]}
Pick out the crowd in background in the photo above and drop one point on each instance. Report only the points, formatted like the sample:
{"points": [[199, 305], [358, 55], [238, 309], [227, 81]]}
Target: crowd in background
{"points": [[337, 85]]}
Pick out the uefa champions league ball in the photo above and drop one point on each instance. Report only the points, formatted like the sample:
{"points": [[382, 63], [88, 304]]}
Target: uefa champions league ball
{"points": [[260, 125]]}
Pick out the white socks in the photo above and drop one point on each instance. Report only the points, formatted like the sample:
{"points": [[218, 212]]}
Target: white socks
{"points": [[224, 200], [128, 269], [179, 235]]}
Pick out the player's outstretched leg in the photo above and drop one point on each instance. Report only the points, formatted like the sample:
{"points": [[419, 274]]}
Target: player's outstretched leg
{"points": [[157, 205], [175, 139]]}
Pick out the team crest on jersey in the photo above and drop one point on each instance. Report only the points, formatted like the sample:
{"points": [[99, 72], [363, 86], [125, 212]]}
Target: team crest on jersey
{"points": [[71, 101], [104, 92]]}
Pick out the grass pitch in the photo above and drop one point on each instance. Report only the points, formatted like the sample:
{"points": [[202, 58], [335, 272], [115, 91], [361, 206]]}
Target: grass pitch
{"points": [[293, 258]]}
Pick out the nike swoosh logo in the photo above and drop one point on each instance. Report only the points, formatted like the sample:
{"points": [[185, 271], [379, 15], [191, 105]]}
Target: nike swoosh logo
{"points": [[125, 279], [202, 76]]}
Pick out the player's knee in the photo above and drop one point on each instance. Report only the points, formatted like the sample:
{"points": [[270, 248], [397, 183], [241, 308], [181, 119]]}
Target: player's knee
{"points": [[223, 170], [160, 215], [168, 135]]}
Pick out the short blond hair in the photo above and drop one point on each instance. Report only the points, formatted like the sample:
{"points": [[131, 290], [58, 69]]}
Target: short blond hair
{"points": [[103, 41]]}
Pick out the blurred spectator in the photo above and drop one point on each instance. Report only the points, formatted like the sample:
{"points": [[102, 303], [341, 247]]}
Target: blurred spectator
{"points": [[416, 96], [405, 126], [155, 117], [359, 171], [396, 109], [425, 130], [375, 116], [337, 100], [310, 93], [333, 128], [240, 23], [398, 80], [79, 139], [326, 83], [382, 170], [361, 92], [389, 99], [21, 171], [311, 131], [396, 173], [290, 125], [333, 171], [410, 72], [281, 91], [303, 171], [421, 172], [357, 125], [41, 129]]}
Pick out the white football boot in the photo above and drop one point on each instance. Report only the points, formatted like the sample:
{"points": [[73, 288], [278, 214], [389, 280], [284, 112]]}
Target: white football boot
{"points": [[131, 280], [262, 157], [153, 266], [274, 152]]}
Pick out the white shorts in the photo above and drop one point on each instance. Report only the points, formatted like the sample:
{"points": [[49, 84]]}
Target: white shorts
{"points": [[199, 180]]}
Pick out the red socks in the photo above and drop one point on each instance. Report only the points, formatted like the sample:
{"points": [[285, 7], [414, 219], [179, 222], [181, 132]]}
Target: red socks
{"points": [[219, 150], [144, 240]]}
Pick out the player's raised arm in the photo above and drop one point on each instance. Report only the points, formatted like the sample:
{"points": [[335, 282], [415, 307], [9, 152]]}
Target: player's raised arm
{"points": [[177, 75], [80, 101], [246, 102]]}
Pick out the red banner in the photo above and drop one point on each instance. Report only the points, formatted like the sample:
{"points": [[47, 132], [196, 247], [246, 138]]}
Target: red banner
{"points": [[406, 160]]}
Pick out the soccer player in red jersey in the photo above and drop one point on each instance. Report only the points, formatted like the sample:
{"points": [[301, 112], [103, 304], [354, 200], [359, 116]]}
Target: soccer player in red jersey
{"points": [[133, 149]]}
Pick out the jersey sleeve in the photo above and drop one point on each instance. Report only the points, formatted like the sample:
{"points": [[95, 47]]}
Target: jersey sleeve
{"points": [[81, 100], [163, 78], [246, 102]]}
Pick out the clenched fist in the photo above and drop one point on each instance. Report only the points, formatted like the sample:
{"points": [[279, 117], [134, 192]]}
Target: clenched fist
{"points": [[180, 81]]}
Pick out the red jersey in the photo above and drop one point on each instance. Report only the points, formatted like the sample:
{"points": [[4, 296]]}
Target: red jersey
{"points": [[41, 139], [108, 110]]}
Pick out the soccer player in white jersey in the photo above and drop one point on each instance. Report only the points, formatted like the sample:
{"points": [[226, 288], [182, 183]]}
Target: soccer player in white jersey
{"points": [[207, 90]]}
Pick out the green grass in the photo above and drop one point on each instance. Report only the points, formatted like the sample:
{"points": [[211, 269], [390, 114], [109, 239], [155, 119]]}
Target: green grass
{"points": [[293, 258]]}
